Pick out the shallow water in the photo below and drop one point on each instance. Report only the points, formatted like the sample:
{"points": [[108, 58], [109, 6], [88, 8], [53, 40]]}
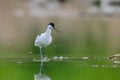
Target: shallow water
{"points": [[69, 68]]}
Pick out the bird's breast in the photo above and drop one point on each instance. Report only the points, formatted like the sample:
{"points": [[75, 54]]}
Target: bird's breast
{"points": [[43, 40]]}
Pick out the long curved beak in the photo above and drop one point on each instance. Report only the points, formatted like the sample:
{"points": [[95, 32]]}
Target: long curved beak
{"points": [[56, 29]]}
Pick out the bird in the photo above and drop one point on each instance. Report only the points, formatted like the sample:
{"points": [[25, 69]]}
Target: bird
{"points": [[45, 39]]}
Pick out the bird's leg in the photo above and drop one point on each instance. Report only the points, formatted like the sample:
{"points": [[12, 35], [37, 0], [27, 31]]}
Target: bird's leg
{"points": [[42, 67], [42, 60], [42, 53]]}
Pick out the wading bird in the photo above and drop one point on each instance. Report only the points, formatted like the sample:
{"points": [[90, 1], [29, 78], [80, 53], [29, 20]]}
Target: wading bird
{"points": [[43, 40]]}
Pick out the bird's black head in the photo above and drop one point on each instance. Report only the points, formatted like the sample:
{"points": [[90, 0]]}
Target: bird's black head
{"points": [[52, 24]]}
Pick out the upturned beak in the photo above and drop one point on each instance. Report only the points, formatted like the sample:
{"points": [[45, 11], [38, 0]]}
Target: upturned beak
{"points": [[56, 29]]}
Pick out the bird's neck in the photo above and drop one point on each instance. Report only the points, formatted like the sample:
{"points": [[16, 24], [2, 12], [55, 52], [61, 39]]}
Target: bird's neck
{"points": [[48, 31]]}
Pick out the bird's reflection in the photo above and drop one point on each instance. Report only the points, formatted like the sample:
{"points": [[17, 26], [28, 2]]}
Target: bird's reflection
{"points": [[41, 75]]}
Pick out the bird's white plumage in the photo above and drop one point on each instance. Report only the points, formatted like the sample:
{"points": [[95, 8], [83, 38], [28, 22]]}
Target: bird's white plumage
{"points": [[44, 39]]}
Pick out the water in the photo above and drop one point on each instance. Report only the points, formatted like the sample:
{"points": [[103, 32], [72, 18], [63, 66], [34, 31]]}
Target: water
{"points": [[41, 75], [69, 68]]}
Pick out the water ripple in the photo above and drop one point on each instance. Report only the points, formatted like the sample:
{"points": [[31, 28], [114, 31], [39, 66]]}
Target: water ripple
{"points": [[85, 61]]}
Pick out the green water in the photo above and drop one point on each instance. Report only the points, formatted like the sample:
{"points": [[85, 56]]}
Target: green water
{"points": [[61, 70]]}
